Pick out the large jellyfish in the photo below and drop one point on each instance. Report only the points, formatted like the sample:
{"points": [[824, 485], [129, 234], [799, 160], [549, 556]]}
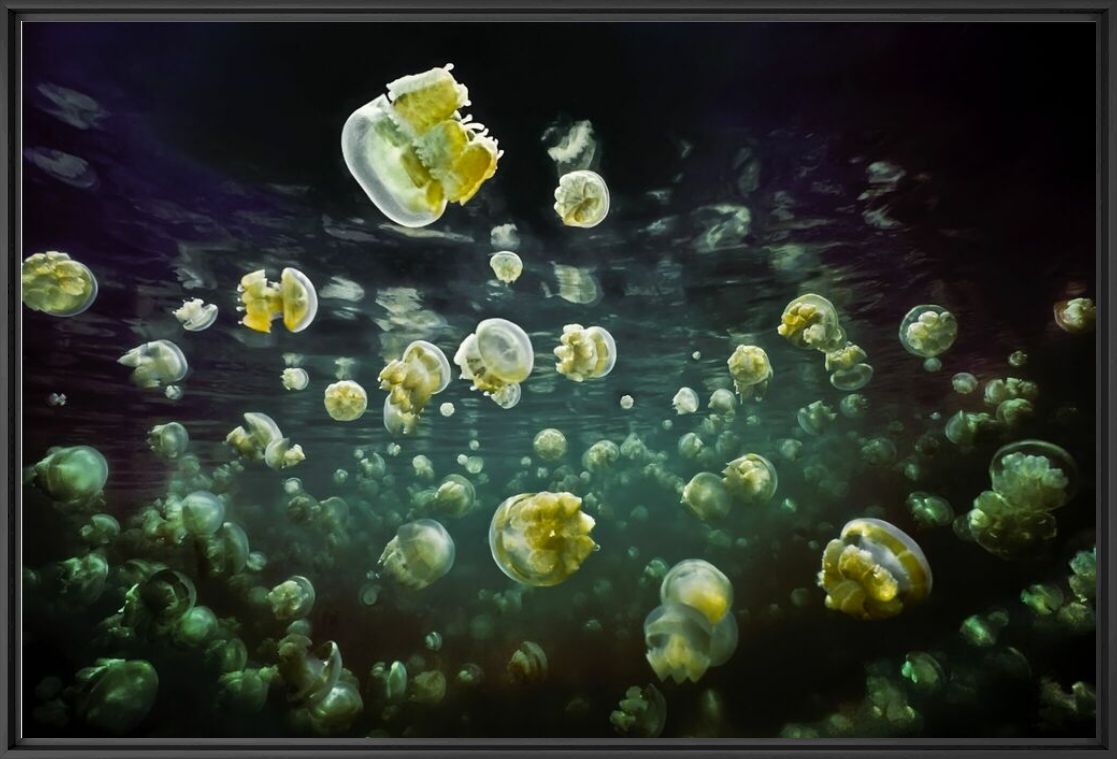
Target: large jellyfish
{"points": [[706, 497], [582, 199], [496, 358], [155, 364], [293, 298], [1076, 315], [811, 321], [55, 284], [345, 401], [506, 265], [194, 315], [412, 380], [873, 570], [928, 331], [541, 538], [420, 553], [751, 479], [412, 151], [71, 475], [115, 695], [750, 369], [585, 353], [251, 440]]}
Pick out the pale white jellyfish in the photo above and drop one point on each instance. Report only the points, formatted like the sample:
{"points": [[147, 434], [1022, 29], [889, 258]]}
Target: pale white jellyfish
{"points": [[585, 353], [507, 266], [685, 401], [420, 553], [281, 454], [195, 315], [722, 401], [928, 331], [294, 378], [169, 440], [345, 401], [251, 441], [549, 444], [446, 409], [497, 355], [155, 364], [627, 402], [964, 383], [582, 199], [706, 497]]}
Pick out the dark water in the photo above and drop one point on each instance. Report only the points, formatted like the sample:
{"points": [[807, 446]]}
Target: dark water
{"points": [[213, 150]]}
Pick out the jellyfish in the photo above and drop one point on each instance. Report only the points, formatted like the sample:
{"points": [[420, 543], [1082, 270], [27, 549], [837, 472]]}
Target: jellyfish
{"points": [[923, 670], [685, 401], [1075, 316], [75, 474], [751, 370], [173, 392], [412, 151], [293, 298], [853, 406], [965, 427], [226, 552], [873, 570], [815, 417], [549, 444], [963, 383], [585, 353], [678, 640], [528, 663], [706, 497], [413, 379], [164, 597], [498, 355], [155, 364], [751, 479], [878, 451], [541, 539], [294, 378], [700, 585], [101, 530], [345, 401], [115, 695], [56, 399], [507, 266], [642, 713], [251, 440], [722, 401], [55, 284], [428, 688], [82, 579], [280, 454], [582, 199], [627, 402], [194, 315], [929, 510], [202, 513], [928, 331], [420, 553], [600, 455], [291, 599], [848, 368], [811, 321], [169, 440]]}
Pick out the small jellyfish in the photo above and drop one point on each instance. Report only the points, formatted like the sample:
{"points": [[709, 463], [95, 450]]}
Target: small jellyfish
{"points": [[585, 353], [293, 298], [878, 451], [345, 401], [55, 284], [507, 266], [929, 510], [873, 570], [964, 383], [600, 456], [582, 199], [1075, 316], [928, 331], [751, 479], [202, 513], [71, 475], [848, 369], [642, 713], [281, 454], [853, 406], [1018, 359], [549, 444], [446, 409], [56, 399], [528, 663], [173, 392], [251, 440], [194, 315], [413, 379], [816, 417], [420, 553], [751, 370], [168, 441], [412, 151], [541, 538], [811, 321], [155, 364], [706, 497], [627, 402], [294, 378], [496, 356], [722, 401], [685, 401], [505, 236], [292, 599]]}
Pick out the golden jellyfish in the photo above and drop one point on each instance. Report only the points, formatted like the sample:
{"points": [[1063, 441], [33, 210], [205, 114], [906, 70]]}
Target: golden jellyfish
{"points": [[678, 640], [251, 440], [455, 496], [848, 369], [55, 284], [705, 496], [750, 368], [549, 444], [412, 151], [293, 298], [700, 585], [873, 570], [1076, 315], [585, 353], [281, 454], [155, 364], [506, 265], [751, 479], [496, 356], [420, 553], [541, 538], [411, 381], [194, 315], [815, 417], [811, 321], [345, 401], [582, 199], [928, 331]]}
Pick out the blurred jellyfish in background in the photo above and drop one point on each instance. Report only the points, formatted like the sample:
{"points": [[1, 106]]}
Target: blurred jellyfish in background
{"points": [[549, 445], [963, 383], [345, 401], [685, 401], [751, 370], [155, 364], [816, 417], [420, 553], [928, 331], [55, 284], [541, 538], [722, 401], [873, 570], [251, 440], [929, 510], [412, 151], [202, 513], [411, 381], [293, 298], [71, 475], [168, 441], [700, 585], [115, 695], [751, 479], [1076, 315], [582, 199], [585, 353], [291, 599], [496, 358], [506, 265], [706, 497], [195, 315], [528, 664], [642, 713]]}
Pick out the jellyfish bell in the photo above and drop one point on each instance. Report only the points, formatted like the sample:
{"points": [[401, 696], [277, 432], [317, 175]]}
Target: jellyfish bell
{"points": [[508, 396], [549, 444], [294, 378], [700, 585], [345, 401], [300, 300], [154, 364], [751, 478], [928, 331], [420, 553], [1035, 473], [422, 372], [853, 378], [251, 440], [582, 199], [398, 422], [542, 538], [750, 368], [585, 353], [705, 496], [678, 640], [505, 350], [292, 599], [1076, 315], [195, 315], [169, 440], [115, 695], [685, 401], [281, 454], [202, 513], [71, 475], [55, 284], [811, 322], [506, 265]]}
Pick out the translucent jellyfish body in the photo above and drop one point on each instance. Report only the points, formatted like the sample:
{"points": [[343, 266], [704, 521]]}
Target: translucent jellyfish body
{"points": [[1076, 315], [678, 640], [528, 663], [549, 445], [411, 381], [194, 315], [55, 284], [292, 599], [420, 553], [345, 401], [496, 358], [282, 454], [700, 585], [294, 378], [722, 401], [202, 513], [706, 497], [115, 695], [155, 364], [168, 441], [293, 298], [582, 199], [928, 331], [585, 353], [506, 265], [685, 401], [541, 538], [811, 321], [816, 417], [750, 368], [929, 510], [412, 151], [873, 570], [751, 479], [251, 440], [848, 369], [71, 475], [963, 383]]}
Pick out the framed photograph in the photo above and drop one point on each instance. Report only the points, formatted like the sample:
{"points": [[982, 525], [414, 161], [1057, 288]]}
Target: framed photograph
{"points": [[509, 377]]}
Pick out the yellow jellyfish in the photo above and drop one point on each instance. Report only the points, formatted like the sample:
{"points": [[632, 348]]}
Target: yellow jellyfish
{"points": [[848, 369], [345, 401], [541, 538], [706, 497], [585, 353], [281, 454], [294, 299], [420, 553], [700, 585], [582, 199], [928, 331], [155, 364], [195, 315], [750, 369], [811, 321], [412, 380], [873, 570], [678, 640], [1076, 315], [751, 479], [507, 266], [455, 496], [549, 444], [412, 151], [496, 358], [251, 440], [55, 284]]}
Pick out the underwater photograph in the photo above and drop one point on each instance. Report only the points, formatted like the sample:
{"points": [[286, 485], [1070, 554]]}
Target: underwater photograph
{"points": [[613, 380]]}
